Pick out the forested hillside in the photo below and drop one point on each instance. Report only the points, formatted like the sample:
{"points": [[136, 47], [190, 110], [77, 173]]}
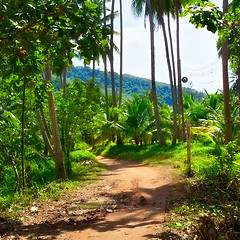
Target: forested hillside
{"points": [[131, 84]]}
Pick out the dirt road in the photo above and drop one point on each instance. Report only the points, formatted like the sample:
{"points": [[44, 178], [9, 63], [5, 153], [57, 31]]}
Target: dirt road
{"points": [[131, 201]]}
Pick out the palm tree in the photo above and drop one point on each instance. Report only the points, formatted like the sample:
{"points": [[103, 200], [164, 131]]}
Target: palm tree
{"points": [[111, 58], [105, 64], [180, 97], [121, 52], [139, 6], [154, 94], [160, 8], [173, 69], [119, 141], [139, 118], [226, 94]]}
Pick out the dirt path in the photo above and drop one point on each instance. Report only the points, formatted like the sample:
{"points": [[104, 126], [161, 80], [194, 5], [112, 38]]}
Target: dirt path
{"points": [[131, 200]]}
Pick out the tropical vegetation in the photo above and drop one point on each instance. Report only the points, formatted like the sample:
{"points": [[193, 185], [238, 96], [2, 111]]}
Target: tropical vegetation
{"points": [[50, 118]]}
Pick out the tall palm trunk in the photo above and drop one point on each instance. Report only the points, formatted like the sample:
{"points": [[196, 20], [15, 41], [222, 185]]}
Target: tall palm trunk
{"points": [[119, 141], [121, 52], [226, 94], [171, 81], [154, 95], [172, 57], [58, 156], [105, 65], [174, 75], [111, 58], [180, 97]]}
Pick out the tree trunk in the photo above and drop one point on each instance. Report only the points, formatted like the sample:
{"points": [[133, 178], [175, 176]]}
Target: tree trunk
{"points": [[45, 123], [121, 52], [172, 56], [44, 134], [58, 156], [43, 127], [105, 66], [111, 58], [119, 141], [189, 154], [23, 134], [175, 104], [180, 98], [171, 82], [154, 94], [226, 94]]}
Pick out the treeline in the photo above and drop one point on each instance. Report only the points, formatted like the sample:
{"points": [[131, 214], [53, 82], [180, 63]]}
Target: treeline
{"points": [[131, 84]]}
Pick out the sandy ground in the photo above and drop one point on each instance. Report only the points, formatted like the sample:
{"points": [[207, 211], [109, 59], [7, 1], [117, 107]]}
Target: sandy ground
{"points": [[131, 201]]}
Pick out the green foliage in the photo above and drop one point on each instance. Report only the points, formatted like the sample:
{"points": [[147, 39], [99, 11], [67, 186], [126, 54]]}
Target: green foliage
{"points": [[205, 14], [81, 156], [139, 119], [81, 146], [232, 31], [44, 185]]}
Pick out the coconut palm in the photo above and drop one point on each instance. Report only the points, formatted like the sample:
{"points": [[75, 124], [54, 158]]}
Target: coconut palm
{"points": [[112, 59], [160, 8], [154, 94], [139, 6], [227, 113], [139, 118], [105, 63], [121, 53]]}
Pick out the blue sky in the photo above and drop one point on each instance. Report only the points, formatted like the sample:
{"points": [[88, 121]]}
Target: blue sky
{"points": [[199, 58]]}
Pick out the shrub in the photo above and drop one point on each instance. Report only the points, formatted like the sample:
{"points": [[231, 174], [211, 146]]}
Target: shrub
{"points": [[81, 155]]}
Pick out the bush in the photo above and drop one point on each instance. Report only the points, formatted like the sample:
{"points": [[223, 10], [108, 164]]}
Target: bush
{"points": [[81, 155], [81, 146]]}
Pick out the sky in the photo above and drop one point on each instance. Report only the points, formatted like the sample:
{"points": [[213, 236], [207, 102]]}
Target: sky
{"points": [[199, 57]]}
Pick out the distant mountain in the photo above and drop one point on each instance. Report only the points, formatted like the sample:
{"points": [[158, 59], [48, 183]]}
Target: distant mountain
{"points": [[131, 84]]}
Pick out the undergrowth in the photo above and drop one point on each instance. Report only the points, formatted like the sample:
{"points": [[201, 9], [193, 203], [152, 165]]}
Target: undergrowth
{"points": [[44, 185]]}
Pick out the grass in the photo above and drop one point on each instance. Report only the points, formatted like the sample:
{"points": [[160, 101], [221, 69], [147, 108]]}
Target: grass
{"points": [[44, 186], [81, 156], [175, 155], [206, 157]]}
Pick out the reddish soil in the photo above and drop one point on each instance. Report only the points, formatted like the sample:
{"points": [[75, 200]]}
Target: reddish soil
{"points": [[128, 202]]}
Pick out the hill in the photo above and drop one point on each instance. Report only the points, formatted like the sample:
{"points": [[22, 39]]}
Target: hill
{"points": [[131, 84]]}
